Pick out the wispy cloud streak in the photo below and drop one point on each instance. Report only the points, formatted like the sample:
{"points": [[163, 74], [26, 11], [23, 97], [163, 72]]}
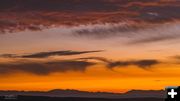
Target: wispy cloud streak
{"points": [[145, 63], [48, 54]]}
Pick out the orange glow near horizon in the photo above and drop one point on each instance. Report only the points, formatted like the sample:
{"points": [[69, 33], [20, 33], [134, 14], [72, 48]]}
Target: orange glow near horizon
{"points": [[95, 80]]}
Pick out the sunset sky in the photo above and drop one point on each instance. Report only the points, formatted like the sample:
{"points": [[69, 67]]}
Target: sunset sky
{"points": [[89, 45]]}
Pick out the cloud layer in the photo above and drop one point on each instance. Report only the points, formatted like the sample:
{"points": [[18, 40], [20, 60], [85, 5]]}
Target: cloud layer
{"points": [[44, 68], [29, 64], [61, 66], [145, 63], [50, 53], [18, 15], [130, 32]]}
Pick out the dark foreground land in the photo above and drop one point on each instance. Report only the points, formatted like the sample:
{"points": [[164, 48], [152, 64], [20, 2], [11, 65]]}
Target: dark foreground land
{"points": [[36, 98]]}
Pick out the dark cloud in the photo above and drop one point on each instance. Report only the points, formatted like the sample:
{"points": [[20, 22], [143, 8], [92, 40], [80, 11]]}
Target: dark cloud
{"points": [[19, 15], [60, 53], [61, 66], [51, 53], [58, 5], [45, 68], [160, 13], [140, 63], [146, 63]]}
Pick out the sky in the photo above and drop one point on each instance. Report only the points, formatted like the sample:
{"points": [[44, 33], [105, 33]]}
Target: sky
{"points": [[89, 45]]}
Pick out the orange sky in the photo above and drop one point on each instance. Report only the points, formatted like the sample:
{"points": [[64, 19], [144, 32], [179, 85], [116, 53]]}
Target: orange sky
{"points": [[96, 79]]}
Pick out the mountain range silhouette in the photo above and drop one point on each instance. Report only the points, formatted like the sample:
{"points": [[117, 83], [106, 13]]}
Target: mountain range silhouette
{"points": [[84, 94]]}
